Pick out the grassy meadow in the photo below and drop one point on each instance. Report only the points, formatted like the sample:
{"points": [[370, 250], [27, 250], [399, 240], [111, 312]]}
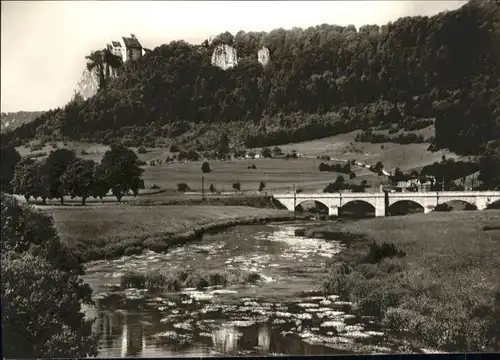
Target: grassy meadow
{"points": [[444, 293], [279, 174], [106, 231]]}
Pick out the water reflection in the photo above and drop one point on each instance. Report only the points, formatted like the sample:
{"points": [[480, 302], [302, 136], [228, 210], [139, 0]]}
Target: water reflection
{"points": [[244, 322], [225, 340], [264, 339]]}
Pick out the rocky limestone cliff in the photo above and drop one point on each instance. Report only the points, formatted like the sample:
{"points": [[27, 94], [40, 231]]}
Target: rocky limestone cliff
{"points": [[263, 56], [225, 57], [88, 84]]}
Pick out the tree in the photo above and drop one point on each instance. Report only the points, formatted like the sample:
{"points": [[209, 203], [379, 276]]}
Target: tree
{"points": [[489, 165], [137, 184], [266, 153], [212, 188], [338, 185], [262, 186], [237, 186], [9, 158], [277, 151], [205, 167], [78, 179], [41, 289], [100, 186], [121, 169], [100, 61], [57, 162], [31, 180], [223, 144]]}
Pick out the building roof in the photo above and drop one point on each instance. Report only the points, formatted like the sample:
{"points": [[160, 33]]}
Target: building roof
{"points": [[132, 42], [116, 43]]}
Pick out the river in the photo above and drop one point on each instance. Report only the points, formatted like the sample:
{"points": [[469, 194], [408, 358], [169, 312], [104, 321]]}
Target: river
{"points": [[285, 313]]}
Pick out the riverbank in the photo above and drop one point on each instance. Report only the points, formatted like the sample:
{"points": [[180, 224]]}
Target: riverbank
{"points": [[111, 231], [435, 281]]}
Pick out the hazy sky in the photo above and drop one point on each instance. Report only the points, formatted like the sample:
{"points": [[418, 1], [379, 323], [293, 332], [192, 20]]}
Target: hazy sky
{"points": [[44, 43]]}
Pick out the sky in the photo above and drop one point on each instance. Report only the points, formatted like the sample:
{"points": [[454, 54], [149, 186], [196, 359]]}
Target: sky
{"points": [[44, 43]]}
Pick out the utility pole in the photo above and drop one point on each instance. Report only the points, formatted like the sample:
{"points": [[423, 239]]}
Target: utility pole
{"points": [[294, 201], [442, 186], [203, 188]]}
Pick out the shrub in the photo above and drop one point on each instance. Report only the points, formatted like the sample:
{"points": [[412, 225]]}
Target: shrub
{"points": [[190, 155], [142, 150], [401, 320], [183, 187], [254, 167], [494, 205], [237, 186], [443, 207], [266, 152], [470, 207], [376, 253], [133, 280], [212, 188], [174, 148], [205, 167], [277, 151]]}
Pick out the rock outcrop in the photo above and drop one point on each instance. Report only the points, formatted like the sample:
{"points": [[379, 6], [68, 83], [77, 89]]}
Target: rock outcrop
{"points": [[88, 84], [263, 56], [225, 57]]}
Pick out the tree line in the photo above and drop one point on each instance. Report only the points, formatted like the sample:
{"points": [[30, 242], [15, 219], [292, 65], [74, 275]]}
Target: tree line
{"points": [[320, 81], [62, 173], [42, 291]]}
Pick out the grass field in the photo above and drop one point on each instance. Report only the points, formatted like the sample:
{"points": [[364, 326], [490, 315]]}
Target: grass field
{"points": [[343, 146], [443, 291], [279, 174], [113, 230]]}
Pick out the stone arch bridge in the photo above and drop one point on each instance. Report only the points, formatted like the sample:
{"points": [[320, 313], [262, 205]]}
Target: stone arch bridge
{"points": [[381, 201]]}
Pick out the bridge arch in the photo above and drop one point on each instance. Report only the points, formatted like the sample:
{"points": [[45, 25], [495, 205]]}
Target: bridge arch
{"points": [[406, 206], [357, 208], [460, 204], [300, 202]]}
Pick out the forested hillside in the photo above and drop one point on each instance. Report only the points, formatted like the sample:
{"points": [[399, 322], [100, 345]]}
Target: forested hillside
{"points": [[12, 120], [320, 81]]}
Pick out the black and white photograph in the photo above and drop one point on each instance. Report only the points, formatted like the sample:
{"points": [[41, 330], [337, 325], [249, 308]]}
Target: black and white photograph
{"points": [[249, 178]]}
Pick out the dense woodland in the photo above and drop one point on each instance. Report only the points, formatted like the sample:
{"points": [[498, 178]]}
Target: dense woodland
{"points": [[320, 81]]}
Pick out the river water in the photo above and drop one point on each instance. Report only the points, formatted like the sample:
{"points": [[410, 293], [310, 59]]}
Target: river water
{"points": [[285, 313]]}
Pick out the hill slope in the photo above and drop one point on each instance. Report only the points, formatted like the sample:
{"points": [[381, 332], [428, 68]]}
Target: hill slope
{"points": [[319, 82], [12, 120]]}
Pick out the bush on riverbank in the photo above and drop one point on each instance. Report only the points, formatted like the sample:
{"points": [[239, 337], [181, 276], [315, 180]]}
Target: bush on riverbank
{"points": [[41, 290], [360, 277], [162, 281], [445, 293]]}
